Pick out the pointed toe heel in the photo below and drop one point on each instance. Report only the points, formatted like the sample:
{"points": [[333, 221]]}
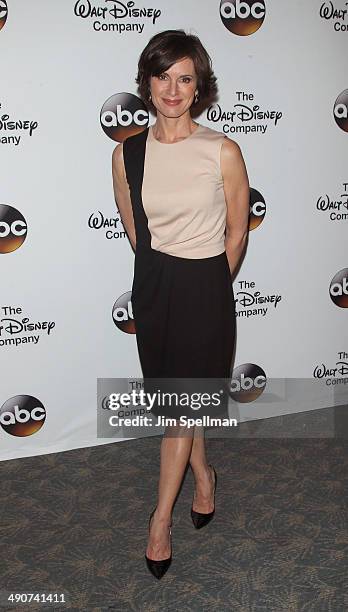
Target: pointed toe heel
{"points": [[158, 568], [201, 519]]}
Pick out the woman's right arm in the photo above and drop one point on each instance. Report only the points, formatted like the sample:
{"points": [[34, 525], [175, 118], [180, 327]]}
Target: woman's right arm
{"points": [[122, 194]]}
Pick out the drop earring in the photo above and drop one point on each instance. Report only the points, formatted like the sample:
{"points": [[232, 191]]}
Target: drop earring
{"points": [[196, 97]]}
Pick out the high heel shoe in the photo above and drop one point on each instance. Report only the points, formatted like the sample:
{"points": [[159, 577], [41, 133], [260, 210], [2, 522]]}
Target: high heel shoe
{"points": [[200, 519], [158, 568]]}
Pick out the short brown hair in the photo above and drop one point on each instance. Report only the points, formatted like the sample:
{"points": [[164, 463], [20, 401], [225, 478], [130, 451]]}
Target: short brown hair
{"points": [[165, 49]]}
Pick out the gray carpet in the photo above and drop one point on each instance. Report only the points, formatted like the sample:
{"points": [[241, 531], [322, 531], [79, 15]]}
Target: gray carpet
{"points": [[76, 523]]}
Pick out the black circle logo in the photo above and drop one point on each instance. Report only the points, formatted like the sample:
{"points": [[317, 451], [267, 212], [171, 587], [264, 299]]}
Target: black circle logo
{"points": [[247, 383], [340, 110], [257, 209], [3, 13], [123, 115], [242, 17], [122, 313], [13, 229], [22, 415], [339, 288]]}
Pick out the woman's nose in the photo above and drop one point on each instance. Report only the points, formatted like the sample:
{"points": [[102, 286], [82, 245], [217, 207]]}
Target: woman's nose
{"points": [[172, 88]]}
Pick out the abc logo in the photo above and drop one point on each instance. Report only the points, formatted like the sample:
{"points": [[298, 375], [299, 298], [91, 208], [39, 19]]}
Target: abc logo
{"points": [[247, 383], [3, 13], [13, 229], [340, 110], [123, 115], [339, 288], [105, 404], [242, 17], [257, 208], [22, 415], [122, 313]]}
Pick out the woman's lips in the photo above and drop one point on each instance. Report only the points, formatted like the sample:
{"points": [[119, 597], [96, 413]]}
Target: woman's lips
{"points": [[171, 102]]}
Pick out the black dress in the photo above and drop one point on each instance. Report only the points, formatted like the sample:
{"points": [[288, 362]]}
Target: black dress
{"points": [[184, 312]]}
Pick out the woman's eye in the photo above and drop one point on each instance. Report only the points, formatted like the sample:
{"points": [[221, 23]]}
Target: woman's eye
{"points": [[162, 77]]}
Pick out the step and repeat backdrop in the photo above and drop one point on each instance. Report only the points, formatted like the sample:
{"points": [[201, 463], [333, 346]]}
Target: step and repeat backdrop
{"points": [[68, 96]]}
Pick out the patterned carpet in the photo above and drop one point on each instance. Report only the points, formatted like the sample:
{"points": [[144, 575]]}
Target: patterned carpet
{"points": [[76, 523]]}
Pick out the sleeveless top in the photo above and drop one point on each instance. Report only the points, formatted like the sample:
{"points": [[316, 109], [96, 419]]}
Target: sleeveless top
{"points": [[182, 194]]}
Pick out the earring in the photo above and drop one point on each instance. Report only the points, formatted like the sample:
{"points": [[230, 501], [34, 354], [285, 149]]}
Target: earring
{"points": [[196, 97], [149, 97]]}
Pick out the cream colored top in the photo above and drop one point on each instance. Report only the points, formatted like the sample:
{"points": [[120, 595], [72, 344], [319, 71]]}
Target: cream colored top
{"points": [[183, 196]]}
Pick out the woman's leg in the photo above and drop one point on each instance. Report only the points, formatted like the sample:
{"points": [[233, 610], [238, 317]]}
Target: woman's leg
{"points": [[175, 452], [203, 500]]}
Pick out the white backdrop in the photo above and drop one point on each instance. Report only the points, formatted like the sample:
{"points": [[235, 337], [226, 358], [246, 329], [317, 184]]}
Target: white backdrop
{"points": [[58, 69]]}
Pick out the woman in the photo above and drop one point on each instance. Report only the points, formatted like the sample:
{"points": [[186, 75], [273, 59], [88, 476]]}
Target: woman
{"points": [[183, 194]]}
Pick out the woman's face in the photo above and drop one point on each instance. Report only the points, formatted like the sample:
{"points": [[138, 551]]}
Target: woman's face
{"points": [[173, 91]]}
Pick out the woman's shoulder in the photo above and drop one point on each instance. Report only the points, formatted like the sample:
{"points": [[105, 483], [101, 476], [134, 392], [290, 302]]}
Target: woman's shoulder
{"points": [[133, 143], [211, 133]]}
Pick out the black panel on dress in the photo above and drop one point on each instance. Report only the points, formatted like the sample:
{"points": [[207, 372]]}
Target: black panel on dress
{"points": [[134, 157]]}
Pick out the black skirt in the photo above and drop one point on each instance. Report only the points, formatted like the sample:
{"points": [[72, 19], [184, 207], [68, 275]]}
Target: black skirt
{"points": [[184, 314]]}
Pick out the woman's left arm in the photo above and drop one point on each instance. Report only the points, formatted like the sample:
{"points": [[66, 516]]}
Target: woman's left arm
{"points": [[237, 195]]}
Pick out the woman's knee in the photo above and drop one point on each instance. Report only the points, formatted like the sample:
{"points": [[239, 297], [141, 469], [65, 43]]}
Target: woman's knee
{"points": [[178, 430]]}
